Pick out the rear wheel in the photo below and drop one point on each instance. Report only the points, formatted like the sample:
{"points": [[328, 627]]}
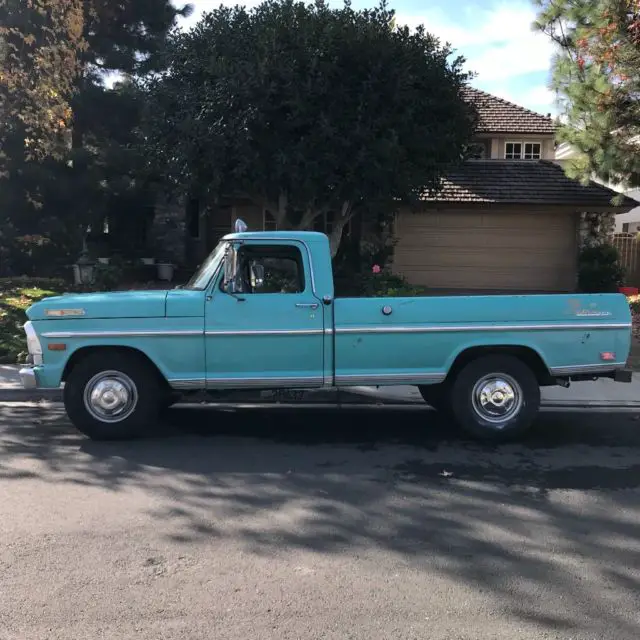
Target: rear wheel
{"points": [[112, 395], [495, 398]]}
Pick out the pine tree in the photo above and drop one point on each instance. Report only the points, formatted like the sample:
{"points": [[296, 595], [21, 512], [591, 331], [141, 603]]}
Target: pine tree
{"points": [[67, 137], [596, 74]]}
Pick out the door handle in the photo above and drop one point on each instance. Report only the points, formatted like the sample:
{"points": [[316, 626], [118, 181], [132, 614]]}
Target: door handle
{"points": [[307, 305]]}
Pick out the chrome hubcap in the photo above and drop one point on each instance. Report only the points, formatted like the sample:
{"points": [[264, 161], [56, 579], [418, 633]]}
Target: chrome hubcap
{"points": [[497, 398], [110, 396]]}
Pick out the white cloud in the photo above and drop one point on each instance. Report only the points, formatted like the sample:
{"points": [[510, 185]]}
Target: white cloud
{"points": [[498, 43]]}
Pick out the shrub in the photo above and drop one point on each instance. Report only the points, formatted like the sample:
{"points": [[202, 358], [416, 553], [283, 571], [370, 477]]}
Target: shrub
{"points": [[381, 283], [599, 269]]}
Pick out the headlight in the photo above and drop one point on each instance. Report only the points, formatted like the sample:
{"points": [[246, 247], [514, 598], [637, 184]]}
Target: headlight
{"points": [[33, 343]]}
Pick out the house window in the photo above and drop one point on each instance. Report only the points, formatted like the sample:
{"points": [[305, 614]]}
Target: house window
{"points": [[268, 221], [523, 151], [625, 227], [193, 218]]}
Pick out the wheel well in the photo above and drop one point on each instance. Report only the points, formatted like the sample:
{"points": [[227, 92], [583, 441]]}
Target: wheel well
{"points": [[84, 352], [526, 354]]}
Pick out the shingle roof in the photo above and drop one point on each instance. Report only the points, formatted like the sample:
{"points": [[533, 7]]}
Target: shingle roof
{"points": [[522, 182], [497, 115]]}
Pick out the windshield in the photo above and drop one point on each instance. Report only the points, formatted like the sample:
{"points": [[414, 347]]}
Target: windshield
{"points": [[201, 278]]}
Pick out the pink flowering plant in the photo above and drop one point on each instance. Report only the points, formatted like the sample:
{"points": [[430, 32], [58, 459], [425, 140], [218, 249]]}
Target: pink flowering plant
{"points": [[381, 283]]}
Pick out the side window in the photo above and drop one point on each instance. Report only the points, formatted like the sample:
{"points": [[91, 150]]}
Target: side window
{"points": [[271, 269]]}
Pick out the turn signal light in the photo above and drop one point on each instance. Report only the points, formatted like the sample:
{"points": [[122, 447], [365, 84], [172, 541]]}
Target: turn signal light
{"points": [[607, 356], [57, 346]]}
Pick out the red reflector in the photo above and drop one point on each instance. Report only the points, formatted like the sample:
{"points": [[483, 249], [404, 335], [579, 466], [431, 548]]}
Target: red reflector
{"points": [[57, 346], [607, 355]]}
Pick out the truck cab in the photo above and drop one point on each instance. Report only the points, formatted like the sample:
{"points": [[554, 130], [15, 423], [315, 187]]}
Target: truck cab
{"points": [[261, 313]]}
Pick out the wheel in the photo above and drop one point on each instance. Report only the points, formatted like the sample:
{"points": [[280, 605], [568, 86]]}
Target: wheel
{"points": [[495, 398], [112, 396], [437, 396]]}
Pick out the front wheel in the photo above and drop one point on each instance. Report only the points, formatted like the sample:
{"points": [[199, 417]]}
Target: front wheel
{"points": [[112, 396], [495, 398]]}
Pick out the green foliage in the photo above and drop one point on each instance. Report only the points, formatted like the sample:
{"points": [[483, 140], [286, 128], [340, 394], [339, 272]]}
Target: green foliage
{"points": [[59, 53], [308, 110], [16, 296], [376, 284], [40, 47], [599, 269], [597, 76]]}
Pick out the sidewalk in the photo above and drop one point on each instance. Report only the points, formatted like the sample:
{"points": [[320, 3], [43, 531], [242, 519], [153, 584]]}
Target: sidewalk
{"points": [[600, 394]]}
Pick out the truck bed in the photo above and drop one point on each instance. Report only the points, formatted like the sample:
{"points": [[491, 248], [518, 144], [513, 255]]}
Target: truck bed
{"points": [[416, 340]]}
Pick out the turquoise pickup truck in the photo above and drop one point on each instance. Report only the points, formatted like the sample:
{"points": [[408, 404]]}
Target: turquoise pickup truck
{"points": [[260, 313]]}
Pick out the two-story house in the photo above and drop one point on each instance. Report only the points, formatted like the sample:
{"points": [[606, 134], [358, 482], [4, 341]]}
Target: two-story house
{"points": [[508, 220]]}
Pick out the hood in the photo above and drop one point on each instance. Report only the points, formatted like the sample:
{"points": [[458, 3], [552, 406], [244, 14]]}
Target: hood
{"points": [[120, 304]]}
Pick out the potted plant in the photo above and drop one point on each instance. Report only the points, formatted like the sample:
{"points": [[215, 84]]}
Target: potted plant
{"points": [[165, 269]]}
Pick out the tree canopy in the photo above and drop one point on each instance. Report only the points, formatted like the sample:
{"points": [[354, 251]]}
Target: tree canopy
{"points": [[596, 73], [40, 46], [69, 137], [308, 110]]}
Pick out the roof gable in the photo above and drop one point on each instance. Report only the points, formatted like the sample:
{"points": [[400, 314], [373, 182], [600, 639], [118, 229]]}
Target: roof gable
{"points": [[497, 115], [529, 182]]}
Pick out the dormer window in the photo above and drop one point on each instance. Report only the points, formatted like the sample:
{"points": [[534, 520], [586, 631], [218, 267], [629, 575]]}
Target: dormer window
{"points": [[523, 151]]}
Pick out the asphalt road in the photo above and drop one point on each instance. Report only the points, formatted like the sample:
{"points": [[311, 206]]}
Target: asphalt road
{"points": [[363, 524]]}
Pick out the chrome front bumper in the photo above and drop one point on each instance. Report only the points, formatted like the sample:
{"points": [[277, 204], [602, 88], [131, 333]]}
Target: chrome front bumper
{"points": [[28, 378]]}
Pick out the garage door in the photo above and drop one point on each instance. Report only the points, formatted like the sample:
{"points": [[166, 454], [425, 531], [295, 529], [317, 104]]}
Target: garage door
{"points": [[474, 250]]}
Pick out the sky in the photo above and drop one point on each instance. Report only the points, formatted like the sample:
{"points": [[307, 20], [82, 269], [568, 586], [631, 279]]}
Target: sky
{"points": [[495, 36]]}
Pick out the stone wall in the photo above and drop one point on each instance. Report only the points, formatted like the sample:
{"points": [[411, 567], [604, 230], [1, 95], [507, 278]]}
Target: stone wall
{"points": [[596, 229]]}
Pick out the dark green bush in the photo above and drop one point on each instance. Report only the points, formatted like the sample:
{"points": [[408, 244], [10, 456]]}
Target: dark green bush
{"points": [[599, 269]]}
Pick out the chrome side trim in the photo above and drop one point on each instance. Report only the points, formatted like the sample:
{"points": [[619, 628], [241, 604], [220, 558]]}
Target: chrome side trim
{"points": [[188, 383], [586, 368], [121, 334], [577, 326], [264, 383], [388, 379], [247, 383], [268, 332]]}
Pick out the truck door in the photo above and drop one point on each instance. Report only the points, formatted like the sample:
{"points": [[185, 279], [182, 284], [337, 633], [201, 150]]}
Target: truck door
{"points": [[268, 332]]}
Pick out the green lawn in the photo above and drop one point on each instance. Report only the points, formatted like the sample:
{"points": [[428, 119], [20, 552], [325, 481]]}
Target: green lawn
{"points": [[16, 295]]}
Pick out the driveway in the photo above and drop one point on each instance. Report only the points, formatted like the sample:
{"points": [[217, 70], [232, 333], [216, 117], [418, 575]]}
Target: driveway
{"points": [[362, 524]]}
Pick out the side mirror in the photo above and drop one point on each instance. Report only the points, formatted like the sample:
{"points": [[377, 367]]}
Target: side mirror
{"points": [[257, 275]]}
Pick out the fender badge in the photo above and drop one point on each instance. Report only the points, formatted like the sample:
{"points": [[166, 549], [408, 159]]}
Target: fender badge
{"points": [[64, 312]]}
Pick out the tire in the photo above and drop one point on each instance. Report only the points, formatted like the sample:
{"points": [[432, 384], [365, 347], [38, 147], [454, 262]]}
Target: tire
{"points": [[122, 376], [512, 408], [437, 396]]}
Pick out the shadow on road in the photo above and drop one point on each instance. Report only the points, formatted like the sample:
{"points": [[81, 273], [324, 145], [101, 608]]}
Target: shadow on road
{"points": [[498, 518]]}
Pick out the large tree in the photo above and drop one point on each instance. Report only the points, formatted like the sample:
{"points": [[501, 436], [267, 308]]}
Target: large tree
{"points": [[308, 110], [40, 47], [68, 135], [596, 73]]}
